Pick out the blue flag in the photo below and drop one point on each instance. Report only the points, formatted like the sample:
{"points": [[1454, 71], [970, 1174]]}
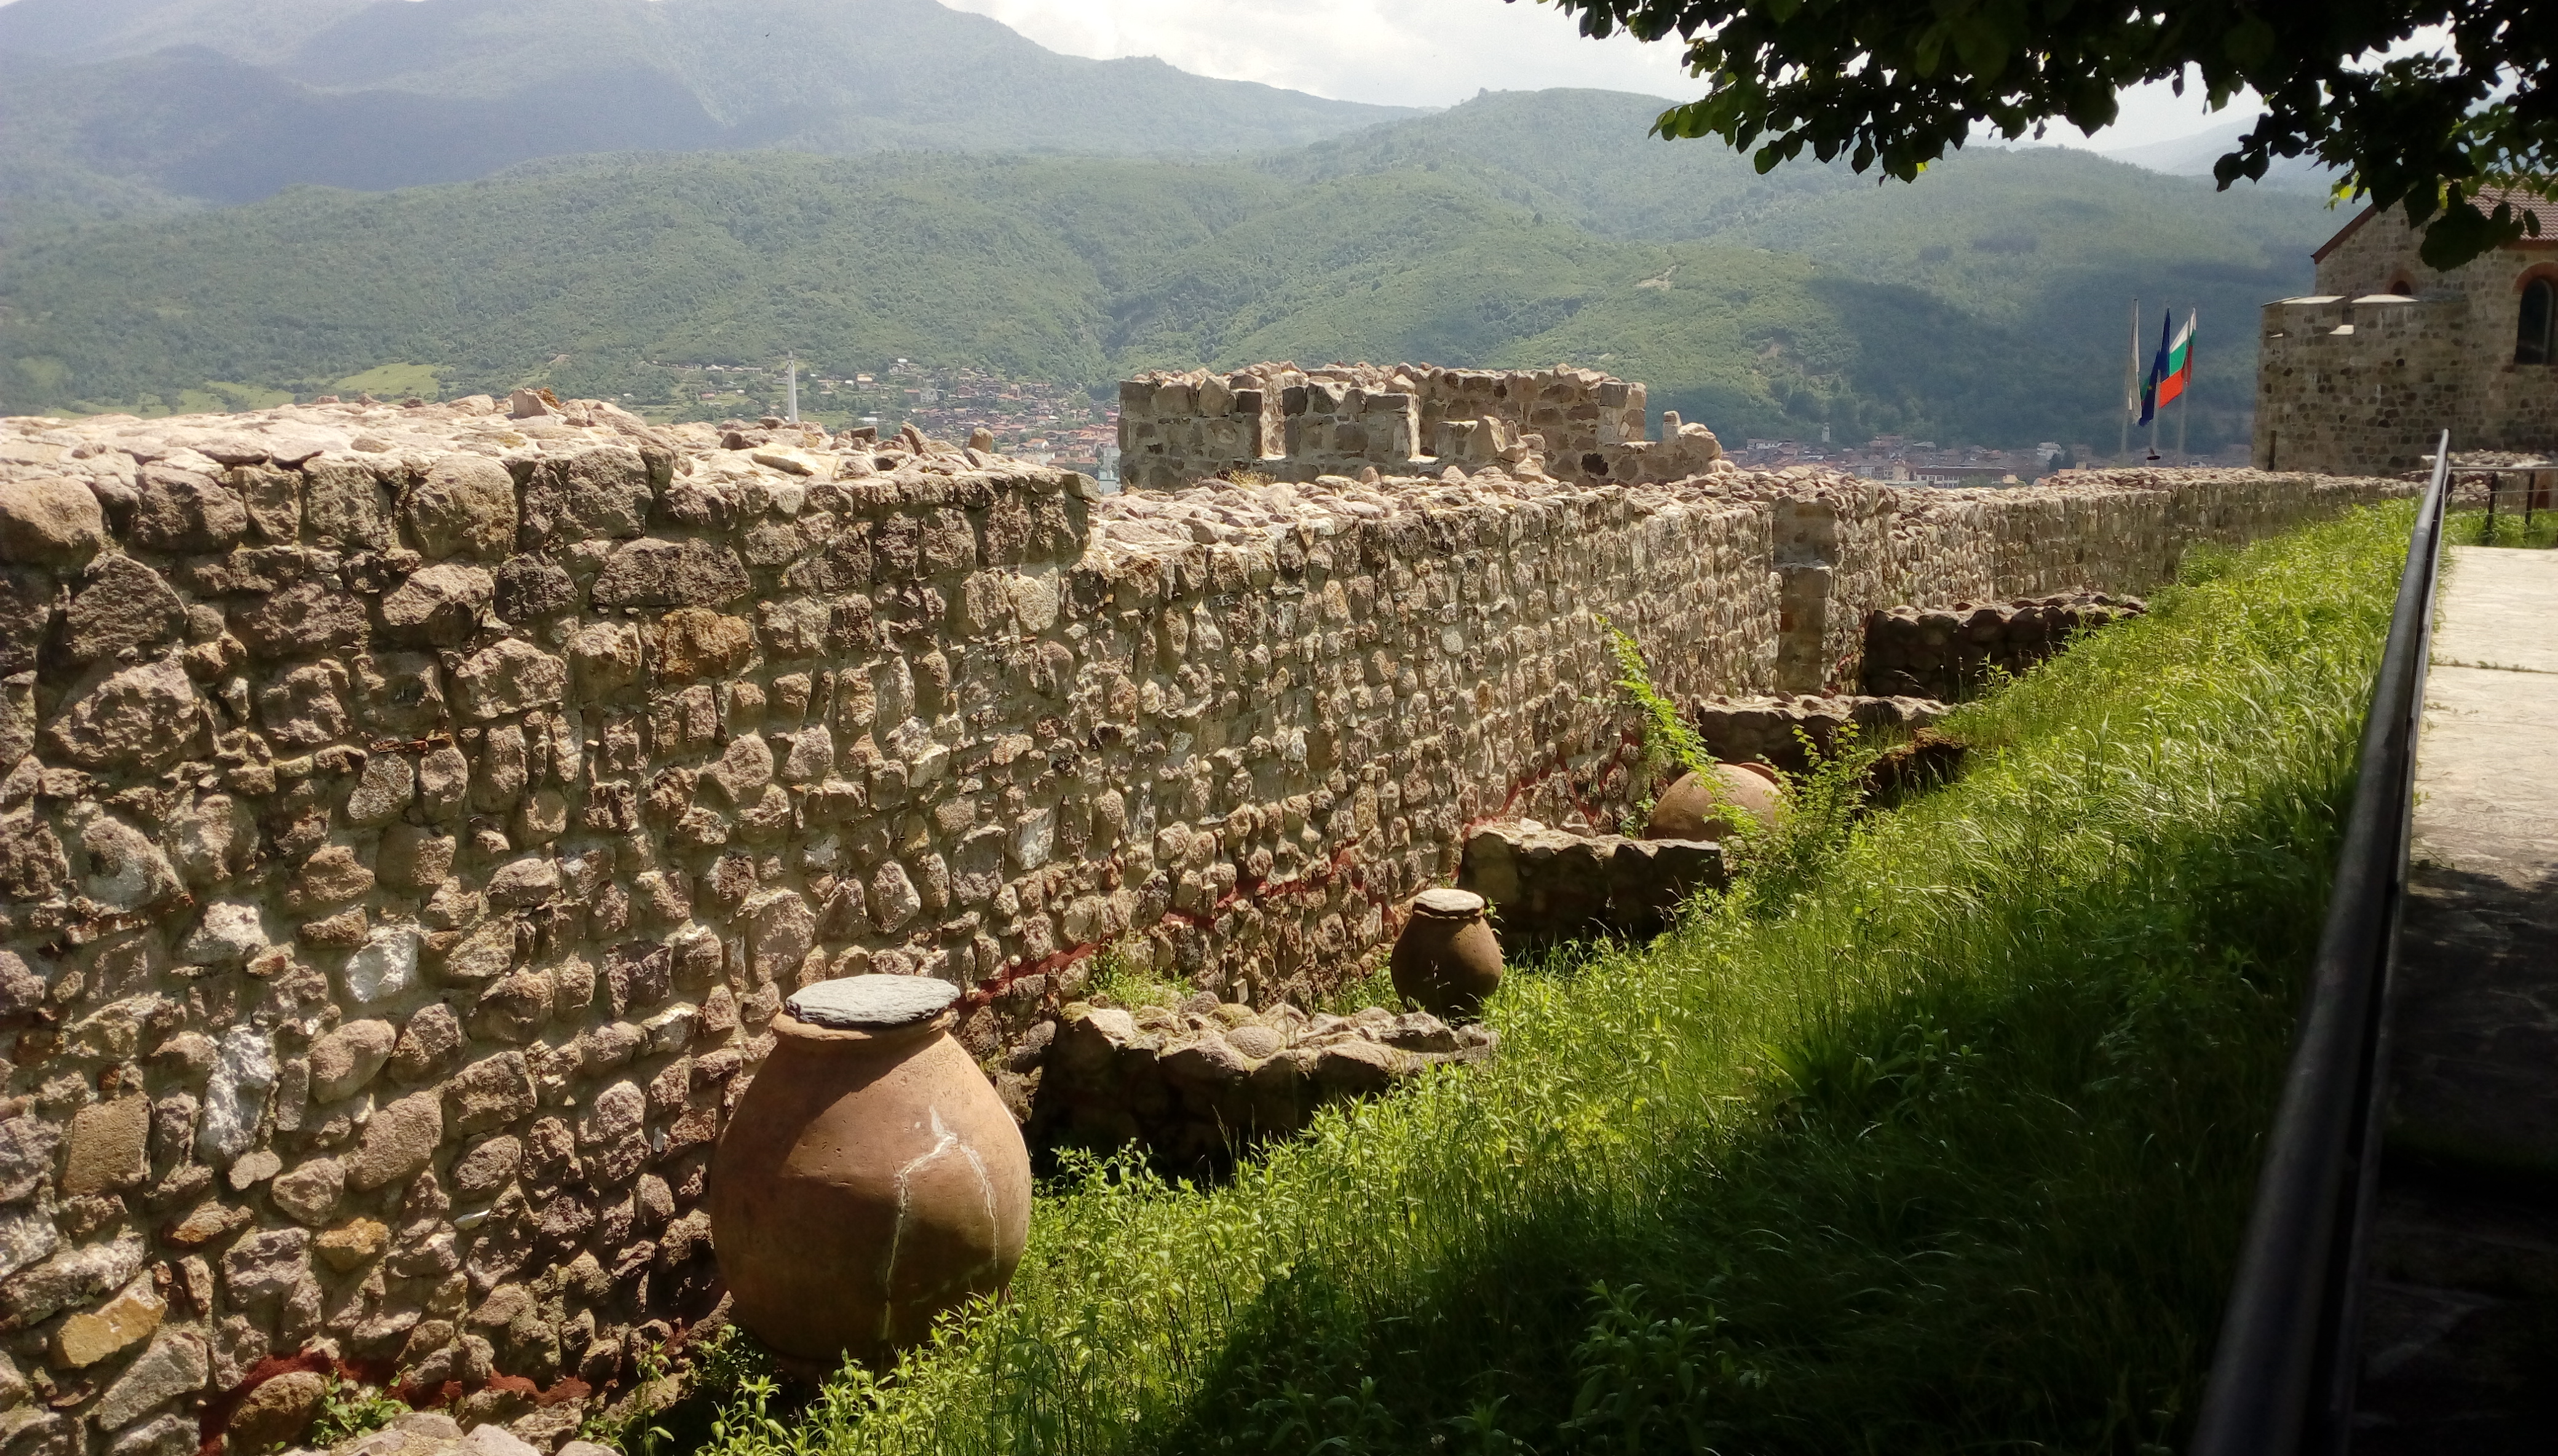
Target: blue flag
{"points": [[2158, 369]]}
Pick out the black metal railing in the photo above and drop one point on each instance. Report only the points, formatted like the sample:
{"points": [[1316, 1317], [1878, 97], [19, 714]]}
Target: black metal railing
{"points": [[2283, 1376]]}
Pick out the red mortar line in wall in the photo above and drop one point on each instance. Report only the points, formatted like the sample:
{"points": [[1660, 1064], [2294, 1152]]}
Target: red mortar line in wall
{"points": [[1254, 890], [214, 1418], [1244, 889], [1562, 764]]}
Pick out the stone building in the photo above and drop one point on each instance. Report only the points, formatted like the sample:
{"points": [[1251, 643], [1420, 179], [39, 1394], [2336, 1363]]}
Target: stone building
{"points": [[2363, 374]]}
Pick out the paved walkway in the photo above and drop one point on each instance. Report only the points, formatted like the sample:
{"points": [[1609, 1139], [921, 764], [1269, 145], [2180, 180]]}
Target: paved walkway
{"points": [[2461, 1331]]}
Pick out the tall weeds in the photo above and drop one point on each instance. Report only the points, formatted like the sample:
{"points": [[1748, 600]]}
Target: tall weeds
{"points": [[1947, 1151]]}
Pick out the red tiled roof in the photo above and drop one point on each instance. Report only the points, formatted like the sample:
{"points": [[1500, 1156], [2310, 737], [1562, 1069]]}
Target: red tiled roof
{"points": [[2524, 200]]}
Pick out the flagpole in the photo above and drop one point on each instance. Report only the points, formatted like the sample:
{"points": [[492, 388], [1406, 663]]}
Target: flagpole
{"points": [[2184, 400], [2131, 383]]}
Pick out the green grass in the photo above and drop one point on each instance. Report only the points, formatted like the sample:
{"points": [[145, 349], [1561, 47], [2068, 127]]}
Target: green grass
{"points": [[1947, 1151], [2513, 528], [393, 381]]}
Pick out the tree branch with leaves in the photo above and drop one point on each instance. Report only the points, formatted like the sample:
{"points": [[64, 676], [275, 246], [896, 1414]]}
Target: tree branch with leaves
{"points": [[1893, 84]]}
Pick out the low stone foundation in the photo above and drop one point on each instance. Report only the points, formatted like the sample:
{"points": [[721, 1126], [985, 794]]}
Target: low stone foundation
{"points": [[1772, 730], [1946, 652], [1547, 887], [1195, 1085]]}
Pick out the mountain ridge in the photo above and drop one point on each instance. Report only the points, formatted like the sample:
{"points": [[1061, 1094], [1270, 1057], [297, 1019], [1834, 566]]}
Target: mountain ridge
{"points": [[227, 104], [1983, 304]]}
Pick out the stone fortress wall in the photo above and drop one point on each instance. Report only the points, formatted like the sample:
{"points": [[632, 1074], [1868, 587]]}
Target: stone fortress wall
{"points": [[1281, 422], [2361, 377], [411, 818]]}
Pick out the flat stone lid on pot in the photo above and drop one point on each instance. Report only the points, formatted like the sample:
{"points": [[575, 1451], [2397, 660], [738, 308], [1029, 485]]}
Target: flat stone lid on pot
{"points": [[1448, 904], [872, 1002]]}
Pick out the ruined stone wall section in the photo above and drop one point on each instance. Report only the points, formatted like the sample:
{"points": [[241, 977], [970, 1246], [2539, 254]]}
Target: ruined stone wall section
{"points": [[411, 818], [1281, 422], [1845, 548]]}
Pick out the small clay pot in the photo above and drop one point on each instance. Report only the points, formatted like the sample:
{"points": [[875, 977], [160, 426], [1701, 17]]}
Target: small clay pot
{"points": [[1689, 811], [1447, 960], [869, 1180]]}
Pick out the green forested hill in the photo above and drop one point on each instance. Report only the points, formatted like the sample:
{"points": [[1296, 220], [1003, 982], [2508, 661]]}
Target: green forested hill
{"points": [[1985, 303], [2047, 244]]}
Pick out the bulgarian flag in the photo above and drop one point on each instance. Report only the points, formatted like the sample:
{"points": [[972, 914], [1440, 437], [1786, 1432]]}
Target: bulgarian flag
{"points": [[2173, 371]]}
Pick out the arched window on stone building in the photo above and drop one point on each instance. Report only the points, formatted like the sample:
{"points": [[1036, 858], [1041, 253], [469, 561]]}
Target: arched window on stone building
{"points": [[2535, 335]]}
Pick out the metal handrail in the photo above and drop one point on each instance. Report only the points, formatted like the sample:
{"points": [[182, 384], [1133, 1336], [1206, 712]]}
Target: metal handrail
{"points": [[2283, 1374]]}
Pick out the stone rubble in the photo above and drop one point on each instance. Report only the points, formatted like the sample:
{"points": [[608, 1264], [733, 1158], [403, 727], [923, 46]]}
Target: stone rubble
{"points": [[1197, 1085]]}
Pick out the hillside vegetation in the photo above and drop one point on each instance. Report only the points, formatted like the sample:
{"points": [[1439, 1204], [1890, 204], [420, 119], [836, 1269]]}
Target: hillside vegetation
{"points": [[1983, 304]]}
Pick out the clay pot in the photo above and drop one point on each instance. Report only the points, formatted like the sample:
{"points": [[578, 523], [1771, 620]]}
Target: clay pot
{"points": [[869, 1180], [1447, 960], [1689, 812]]}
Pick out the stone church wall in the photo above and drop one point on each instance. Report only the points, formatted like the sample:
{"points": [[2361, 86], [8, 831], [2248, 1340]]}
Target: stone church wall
{"points": [[411, 818], [2363, 376]]}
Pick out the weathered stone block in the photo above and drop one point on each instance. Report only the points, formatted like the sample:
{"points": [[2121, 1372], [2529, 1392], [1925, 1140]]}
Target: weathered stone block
{"points": [[597, 494], [71, 1277], [277, 1410], [134, 719], [308, 1195], [91, 1336], [399, 1141], [345, 505], [181, 511], [531, 588], [108, 1145], [509, 676], [124, 611], [49, 521], [439, 605], [605, 659], [306, 706], [464, 506], [490, 1092], [330, 877], [663, 573], [344, 1060], [175, 1364], [304, 620]]}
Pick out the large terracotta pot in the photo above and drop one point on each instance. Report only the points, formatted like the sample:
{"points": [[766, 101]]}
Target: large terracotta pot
{"points": [[1447, 960], [869, 1180], [1690, 810]]}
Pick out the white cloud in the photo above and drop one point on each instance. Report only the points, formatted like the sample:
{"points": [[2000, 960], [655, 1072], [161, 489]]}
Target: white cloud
{"points": [[1436, 52], [1407, 52]]}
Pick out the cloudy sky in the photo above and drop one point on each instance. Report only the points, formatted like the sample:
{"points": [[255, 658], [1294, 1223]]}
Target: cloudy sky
{"points": [[1421, 53]]}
